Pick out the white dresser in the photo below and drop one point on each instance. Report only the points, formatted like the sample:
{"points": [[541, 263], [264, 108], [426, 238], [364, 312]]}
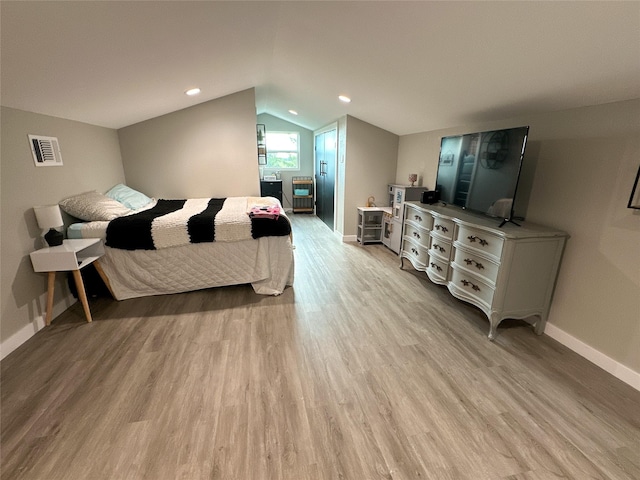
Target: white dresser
{"points": [[507, 272]]}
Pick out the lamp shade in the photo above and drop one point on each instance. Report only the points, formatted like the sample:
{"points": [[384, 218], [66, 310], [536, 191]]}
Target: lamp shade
{"points": [[48, 216]]}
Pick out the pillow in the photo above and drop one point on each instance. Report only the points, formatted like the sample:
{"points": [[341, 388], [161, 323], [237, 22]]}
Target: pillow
{"points": [[93, 206], [129, 197]]}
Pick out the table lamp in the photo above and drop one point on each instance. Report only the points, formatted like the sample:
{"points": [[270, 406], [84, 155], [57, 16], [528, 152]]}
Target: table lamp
{"points": [[49, 217]]}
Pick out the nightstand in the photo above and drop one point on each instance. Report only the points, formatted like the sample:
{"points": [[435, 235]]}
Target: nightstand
{"points": [[271, 188], [71, 256]]}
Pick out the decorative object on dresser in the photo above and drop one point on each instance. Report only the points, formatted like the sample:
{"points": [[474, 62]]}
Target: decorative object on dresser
{"points": [[430, 196], [507, 272], [413, 178], [49, 219]]}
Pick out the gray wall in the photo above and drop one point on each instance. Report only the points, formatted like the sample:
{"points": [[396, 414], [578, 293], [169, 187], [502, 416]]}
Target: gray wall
{"points": [[276, 124], [578, 171], [91, 161], [208, 150], [369, 166]]}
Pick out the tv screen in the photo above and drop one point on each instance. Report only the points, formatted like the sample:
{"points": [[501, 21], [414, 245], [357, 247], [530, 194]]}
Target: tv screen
{"points": [[480, 171]]}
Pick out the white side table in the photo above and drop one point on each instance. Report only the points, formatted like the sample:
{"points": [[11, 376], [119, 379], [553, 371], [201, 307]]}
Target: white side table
{"points": [[71, 256]]}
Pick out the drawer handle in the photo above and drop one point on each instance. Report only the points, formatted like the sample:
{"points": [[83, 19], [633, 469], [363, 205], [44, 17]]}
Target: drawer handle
{"points": [[438, 247], [442, 227], [470, 261], [481, 241], [417, 235], [418, 218], [437, 267], [466, 283], [415, 252]]}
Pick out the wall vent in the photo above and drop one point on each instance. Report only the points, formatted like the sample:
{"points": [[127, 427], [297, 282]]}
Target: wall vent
{"points": [[46, 151]]}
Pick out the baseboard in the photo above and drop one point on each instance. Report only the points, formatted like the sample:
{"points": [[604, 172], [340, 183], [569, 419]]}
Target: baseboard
{"points": [[615, 368], [21, 336], [34, 326], [349, 238]]}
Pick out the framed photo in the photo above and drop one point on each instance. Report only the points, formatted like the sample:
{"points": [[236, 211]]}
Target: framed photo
{"points": [[261, 134], [446, 158], [634, 199]]}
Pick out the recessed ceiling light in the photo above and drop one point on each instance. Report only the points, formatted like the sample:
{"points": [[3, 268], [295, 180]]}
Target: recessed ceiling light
{"points": [[293, 112], [344, 98], [193, 91]]}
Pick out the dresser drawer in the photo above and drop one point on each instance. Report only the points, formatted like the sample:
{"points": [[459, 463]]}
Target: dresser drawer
{"points": [[467, 260], [416, 234], [443, 227], [415, 252], [422, 219], [440, 248], [480, 240], [438, 268], [467, 285]]}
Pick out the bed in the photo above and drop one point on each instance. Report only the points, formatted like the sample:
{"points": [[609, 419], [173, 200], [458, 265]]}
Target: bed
{"points": [[157, 247]]}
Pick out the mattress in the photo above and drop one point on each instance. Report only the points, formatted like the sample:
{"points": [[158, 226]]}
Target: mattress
{"points": [[88, 230]]}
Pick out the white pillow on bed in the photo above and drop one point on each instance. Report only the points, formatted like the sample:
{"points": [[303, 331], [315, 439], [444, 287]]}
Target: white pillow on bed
{"points": [[93, 206], [129, 197]]}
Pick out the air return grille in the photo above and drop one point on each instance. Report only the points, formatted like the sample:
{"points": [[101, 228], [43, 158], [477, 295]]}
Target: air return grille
{"points": [[45, 150]]}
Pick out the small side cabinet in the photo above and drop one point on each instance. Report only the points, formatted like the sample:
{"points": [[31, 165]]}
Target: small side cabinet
{"points": [[369, 225], [302, 194], [271, 188]]}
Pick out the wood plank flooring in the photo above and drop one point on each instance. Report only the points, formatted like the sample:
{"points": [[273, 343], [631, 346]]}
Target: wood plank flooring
{"points": [[360, 371]]}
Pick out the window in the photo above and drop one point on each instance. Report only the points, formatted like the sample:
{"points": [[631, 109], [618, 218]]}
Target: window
{"points": [[283, 150]]}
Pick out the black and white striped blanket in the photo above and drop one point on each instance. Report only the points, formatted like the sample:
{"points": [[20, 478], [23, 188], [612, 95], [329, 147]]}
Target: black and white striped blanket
{"points": [[172, 223]]}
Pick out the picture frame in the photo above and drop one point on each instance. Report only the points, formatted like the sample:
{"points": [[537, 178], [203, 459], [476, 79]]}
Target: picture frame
{"points": [[446, 158], [261, 136], [634, 199], [261, 132]]}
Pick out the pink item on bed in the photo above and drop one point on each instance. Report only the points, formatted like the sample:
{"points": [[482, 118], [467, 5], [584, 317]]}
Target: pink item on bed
{"points": [[271, 211]]}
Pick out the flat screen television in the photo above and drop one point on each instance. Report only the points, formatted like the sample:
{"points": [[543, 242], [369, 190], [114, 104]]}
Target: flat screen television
{"points": [[480, 171]]}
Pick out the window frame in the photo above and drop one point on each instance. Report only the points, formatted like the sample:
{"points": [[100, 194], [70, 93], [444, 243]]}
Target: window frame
{"points": [[273, 151]]}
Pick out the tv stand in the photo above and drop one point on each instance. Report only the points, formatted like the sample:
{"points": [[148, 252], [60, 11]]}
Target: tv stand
{"points": [[508, 220], [507, 272]]}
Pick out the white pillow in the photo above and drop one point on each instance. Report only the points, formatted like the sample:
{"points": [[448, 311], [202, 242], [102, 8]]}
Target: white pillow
{"points": [[93, 206]]}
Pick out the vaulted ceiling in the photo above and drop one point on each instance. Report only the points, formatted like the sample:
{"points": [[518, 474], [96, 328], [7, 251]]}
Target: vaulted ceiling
{"points": [[408, 66]]}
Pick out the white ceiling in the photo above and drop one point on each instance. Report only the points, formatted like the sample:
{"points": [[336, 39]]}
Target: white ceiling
{"points": [[408, 66]]}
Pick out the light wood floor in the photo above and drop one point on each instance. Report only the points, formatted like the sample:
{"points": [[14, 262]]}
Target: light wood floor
{"points": [[360, 371]]}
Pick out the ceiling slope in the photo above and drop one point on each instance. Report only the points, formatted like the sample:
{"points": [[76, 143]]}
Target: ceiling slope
{"points": [[408, 66]]}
